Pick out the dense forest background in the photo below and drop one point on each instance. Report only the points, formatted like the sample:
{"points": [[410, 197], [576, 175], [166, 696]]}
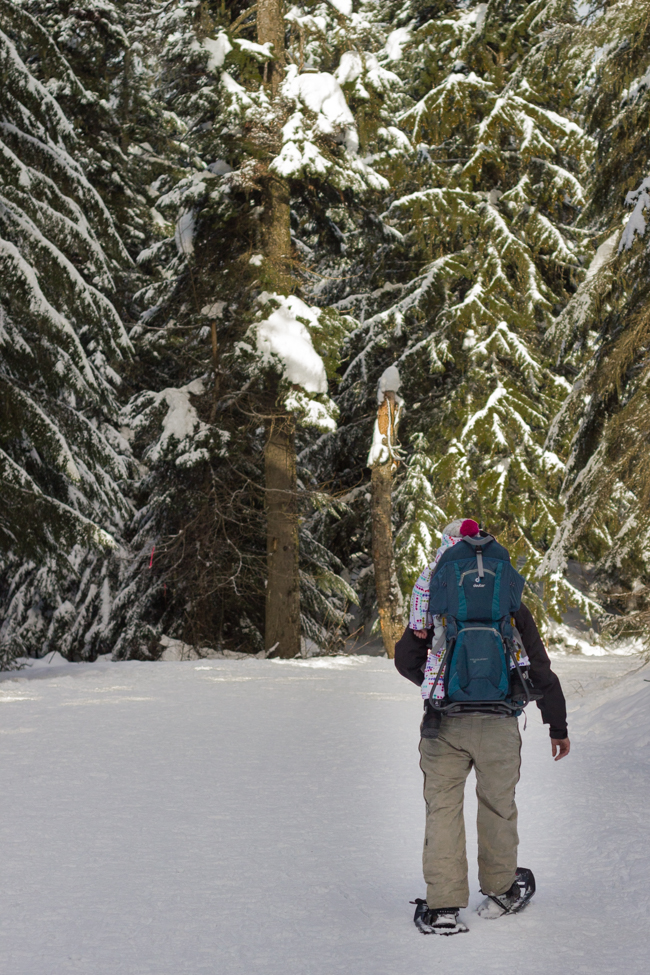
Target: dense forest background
{"points": [[218, 230]]}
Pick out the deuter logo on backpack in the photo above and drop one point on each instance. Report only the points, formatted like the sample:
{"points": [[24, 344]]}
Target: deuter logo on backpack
{"points": [[476, 591]]}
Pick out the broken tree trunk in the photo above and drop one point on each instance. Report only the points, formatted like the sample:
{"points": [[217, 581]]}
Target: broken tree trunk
{"points": [[383, 461]]}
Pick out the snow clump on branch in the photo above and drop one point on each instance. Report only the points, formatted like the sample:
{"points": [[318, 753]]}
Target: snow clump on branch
{"points": [[283, 336], [283, 341], [636, 224], [322, 113], [183, 435], [217, 49]]}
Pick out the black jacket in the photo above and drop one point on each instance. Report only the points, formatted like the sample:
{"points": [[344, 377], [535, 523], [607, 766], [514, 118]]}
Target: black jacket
{"points": [[411, 657]]}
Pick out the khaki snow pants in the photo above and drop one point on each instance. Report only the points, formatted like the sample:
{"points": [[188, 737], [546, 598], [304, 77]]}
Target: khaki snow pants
{"points": [[492, 746]]}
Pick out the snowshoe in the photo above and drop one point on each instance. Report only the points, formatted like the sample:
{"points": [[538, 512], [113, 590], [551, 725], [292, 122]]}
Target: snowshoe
{"points": [[514, 900], [442, 920]]}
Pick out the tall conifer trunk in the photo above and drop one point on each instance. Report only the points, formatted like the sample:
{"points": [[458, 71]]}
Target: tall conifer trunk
{"points": [[282, 625], [282, 630], [270, 27]]}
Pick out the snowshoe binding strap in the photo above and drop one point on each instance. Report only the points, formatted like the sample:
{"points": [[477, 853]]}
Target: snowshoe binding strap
{"points": [[441, 920], [514, 900]]}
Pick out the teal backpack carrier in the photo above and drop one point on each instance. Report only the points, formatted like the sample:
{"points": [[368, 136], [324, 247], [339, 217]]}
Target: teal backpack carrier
{"points": [[476, 591]]}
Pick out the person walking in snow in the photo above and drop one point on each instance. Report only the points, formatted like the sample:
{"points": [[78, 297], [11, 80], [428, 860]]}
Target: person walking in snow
{"points": [[460, 732]]}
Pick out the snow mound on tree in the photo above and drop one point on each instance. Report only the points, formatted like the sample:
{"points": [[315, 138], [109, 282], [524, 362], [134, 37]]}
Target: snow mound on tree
{"points": [[636, 224], [321, 93], [217, 49], [350, 67], [383, 447], [322, 114], [283, 336], [395, 41], [184, 235], [182, 432], [389, 381]]}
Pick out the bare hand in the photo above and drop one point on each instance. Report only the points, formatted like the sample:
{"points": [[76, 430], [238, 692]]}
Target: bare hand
{"points": [[421, 633], [560, 747]]}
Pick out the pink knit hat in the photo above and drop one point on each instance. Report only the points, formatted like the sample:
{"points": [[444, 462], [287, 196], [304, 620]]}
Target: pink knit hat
{"points": [[460, 527]]}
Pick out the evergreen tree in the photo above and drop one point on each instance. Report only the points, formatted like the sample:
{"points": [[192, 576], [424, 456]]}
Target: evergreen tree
{"points": [[63, 461], [92, 58], [475, 253], [603, 332], [224, 330]]}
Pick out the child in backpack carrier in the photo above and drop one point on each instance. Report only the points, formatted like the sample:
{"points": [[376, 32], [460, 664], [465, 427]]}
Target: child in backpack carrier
{"points": [[420, 619], [435, 688]]}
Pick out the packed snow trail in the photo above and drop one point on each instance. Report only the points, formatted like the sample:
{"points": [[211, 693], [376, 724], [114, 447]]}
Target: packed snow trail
{"points": [[261, 816]]}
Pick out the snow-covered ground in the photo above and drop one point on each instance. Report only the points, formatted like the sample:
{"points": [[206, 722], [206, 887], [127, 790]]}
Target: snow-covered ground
{"points": [[266, 817]]}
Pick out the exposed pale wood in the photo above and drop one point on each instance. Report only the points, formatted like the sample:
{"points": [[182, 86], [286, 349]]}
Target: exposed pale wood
{"points": [[389, 596]]}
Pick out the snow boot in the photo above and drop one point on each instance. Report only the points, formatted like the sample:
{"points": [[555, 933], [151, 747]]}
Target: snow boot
{"points": [[513, 901], [442, 920]]}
